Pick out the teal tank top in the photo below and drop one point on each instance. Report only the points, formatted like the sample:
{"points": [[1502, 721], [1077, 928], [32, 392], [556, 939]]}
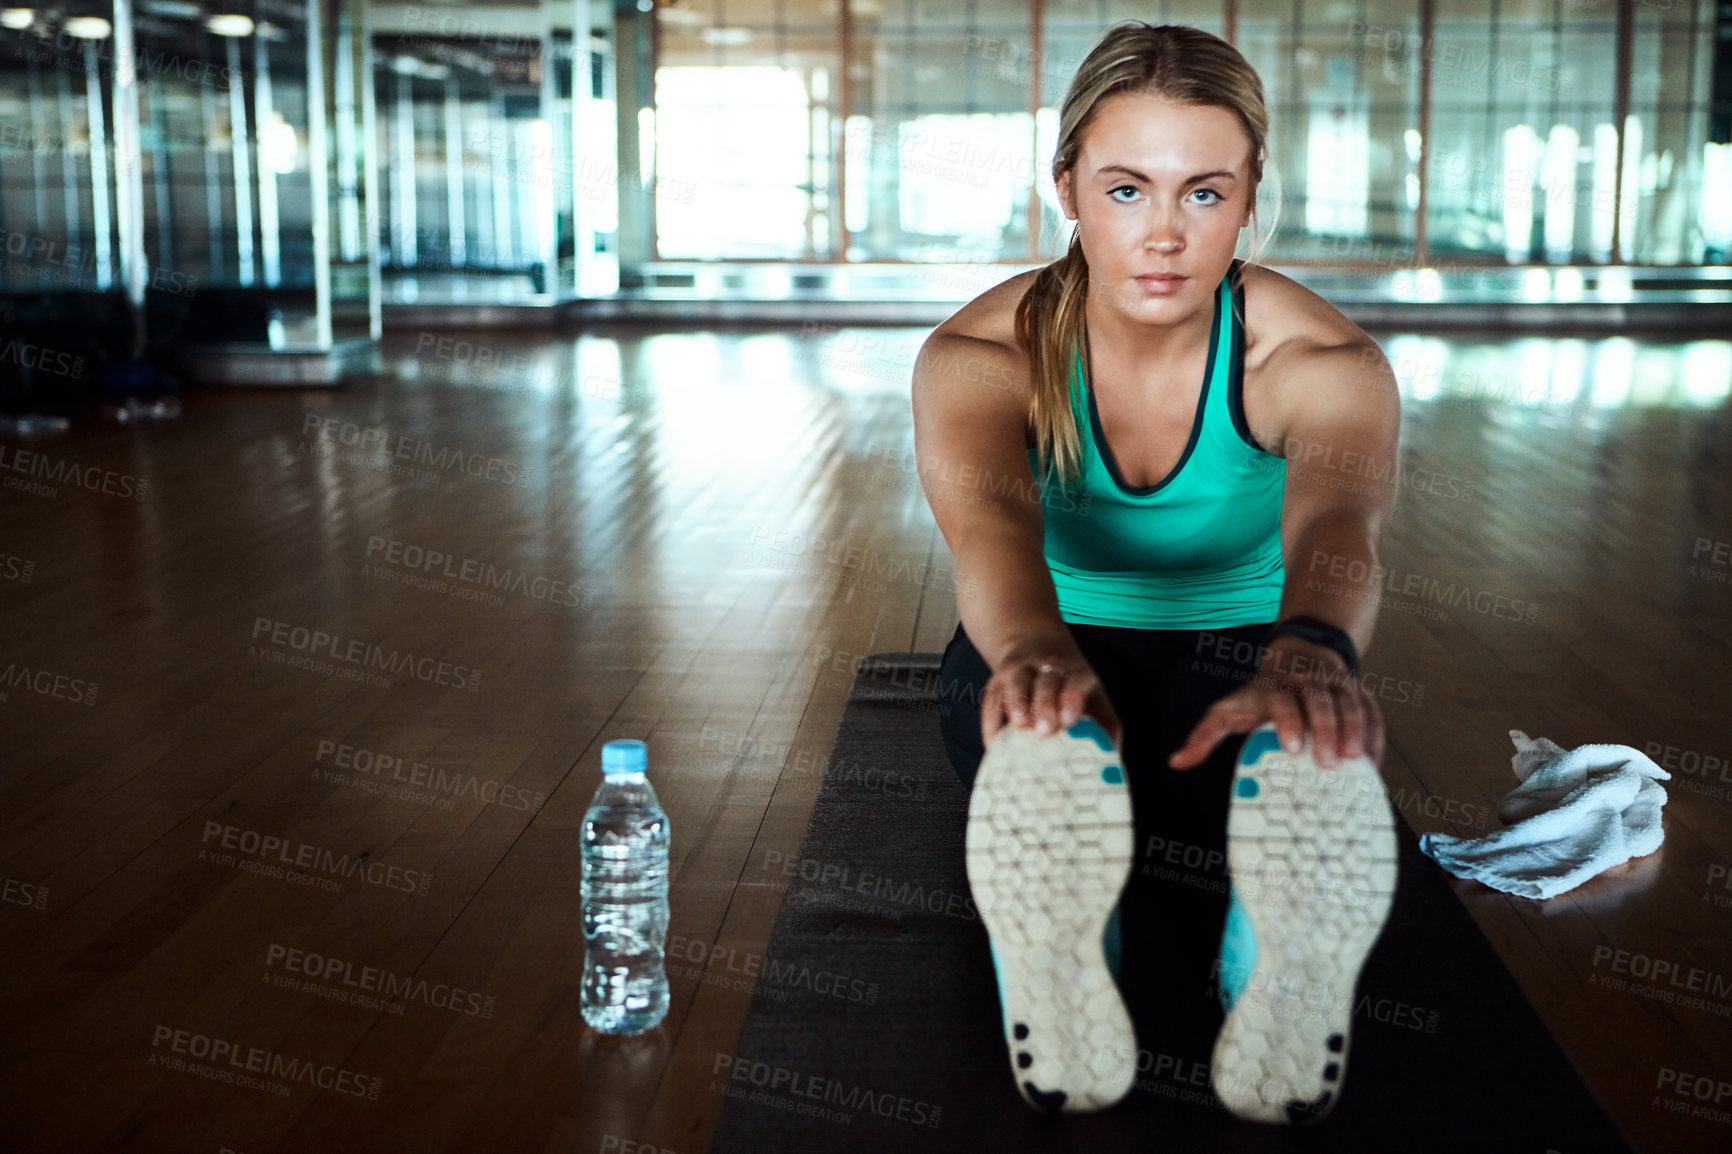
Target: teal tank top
{"points": [[1201, 549]]}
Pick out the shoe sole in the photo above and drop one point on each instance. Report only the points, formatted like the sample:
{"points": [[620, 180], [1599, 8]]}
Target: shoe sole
{"points": [[1312, 855], [1049, 849]]}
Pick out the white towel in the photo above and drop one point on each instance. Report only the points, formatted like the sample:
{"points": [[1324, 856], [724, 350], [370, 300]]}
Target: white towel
{"points": [[1576, 813]]}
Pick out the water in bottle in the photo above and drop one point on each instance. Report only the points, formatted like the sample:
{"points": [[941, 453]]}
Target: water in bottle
{"points": [[625, 897]]}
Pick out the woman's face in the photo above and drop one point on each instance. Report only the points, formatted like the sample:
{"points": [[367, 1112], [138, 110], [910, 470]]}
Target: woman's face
{"points": [[1159, 187]]}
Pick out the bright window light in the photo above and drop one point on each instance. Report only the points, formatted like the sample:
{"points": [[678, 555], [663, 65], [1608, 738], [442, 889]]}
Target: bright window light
{"points": [[1632, 201], [1558, 177], [1338, 166], [278, 144], [1520, 152], [1615, 286], [859, 173], [646, 145], [89, 28], [963, 176], [1536, 285], [232, 24], [1715, 202], [730, 156], [1605, 182], [730, 37]]}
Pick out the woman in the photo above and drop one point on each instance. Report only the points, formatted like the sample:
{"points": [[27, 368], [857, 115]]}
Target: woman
{"points": [[1147, 568]]}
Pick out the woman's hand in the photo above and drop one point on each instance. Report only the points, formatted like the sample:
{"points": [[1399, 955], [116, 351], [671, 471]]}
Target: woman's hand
{"points": [[1046, 689], [1300, 687]]}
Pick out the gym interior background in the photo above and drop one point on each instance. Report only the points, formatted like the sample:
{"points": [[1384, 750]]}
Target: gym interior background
{"points": [[558, 355]]}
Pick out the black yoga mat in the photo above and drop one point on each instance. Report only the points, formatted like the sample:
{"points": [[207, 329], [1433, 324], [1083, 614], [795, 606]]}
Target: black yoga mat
{"points": [[875, 1026]]}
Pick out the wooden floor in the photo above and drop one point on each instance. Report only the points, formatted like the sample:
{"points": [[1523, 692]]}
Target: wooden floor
{"points": [[262, 757]]}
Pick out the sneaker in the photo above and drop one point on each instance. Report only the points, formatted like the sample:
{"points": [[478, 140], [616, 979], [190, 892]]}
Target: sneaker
{"points": [[1050, 846], [1311, 852]]}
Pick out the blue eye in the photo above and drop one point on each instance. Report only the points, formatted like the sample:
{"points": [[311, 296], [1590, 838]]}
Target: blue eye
{"points": [[1217, 197]]}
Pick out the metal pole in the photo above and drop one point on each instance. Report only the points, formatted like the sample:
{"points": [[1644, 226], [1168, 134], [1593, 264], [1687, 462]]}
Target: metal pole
{"points": [[98, 166], [404, 250], [1620, 116], [1427, 30], [456, 237], [318, 170], [582, 79], [128, 169], [544, 167], [844, 111], [270, 226], [240, 147]]}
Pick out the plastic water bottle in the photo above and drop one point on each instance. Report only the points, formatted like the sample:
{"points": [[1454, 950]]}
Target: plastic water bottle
{"points": [[625, 897]]}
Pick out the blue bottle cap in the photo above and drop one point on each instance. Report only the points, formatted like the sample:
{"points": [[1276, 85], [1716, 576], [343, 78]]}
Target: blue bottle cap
{"points": [[621, 758]]}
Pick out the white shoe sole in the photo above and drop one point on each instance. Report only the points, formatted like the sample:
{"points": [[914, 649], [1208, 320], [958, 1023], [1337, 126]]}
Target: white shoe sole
{"points": [[1312, 855], [1049, 849]]}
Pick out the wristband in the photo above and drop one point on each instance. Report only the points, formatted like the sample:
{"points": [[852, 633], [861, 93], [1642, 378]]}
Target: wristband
{"points": [[1318, 633]]}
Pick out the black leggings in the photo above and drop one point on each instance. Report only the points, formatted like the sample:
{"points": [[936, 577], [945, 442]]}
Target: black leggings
{"points": [[1161, 682]]}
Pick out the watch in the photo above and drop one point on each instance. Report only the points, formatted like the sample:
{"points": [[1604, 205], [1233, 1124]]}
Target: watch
{"points": [[1318, 633]]}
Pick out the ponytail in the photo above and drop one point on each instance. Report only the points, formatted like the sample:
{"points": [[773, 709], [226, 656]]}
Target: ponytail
{"points": [[1049, 326]]}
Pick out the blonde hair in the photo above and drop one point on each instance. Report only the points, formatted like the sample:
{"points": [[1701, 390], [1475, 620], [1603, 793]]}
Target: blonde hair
{"points": [[1178, 63]]}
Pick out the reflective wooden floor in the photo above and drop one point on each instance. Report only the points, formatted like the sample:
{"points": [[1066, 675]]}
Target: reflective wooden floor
{"points": [[304, 696]]}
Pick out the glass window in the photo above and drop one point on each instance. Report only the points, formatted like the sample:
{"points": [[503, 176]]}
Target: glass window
{"points": [[1677, 190], [474, 179], [940, 148], [744, 120], [225, 173], [1523, 149], [940, 140], [57, 179], [1342, 83]]}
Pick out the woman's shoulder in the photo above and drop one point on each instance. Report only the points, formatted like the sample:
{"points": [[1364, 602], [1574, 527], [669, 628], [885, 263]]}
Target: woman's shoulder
{"points": [[991, 316], [1285, 320]]}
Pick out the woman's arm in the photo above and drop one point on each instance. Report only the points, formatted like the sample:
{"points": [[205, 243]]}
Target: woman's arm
{"points": [[1338, 416], [970, 434]]}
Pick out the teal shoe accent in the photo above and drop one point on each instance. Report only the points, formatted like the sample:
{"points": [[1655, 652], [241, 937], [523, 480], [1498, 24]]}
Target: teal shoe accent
{"points": [[1246, 787], [1238, 952], [1112, 943], [998, 976], [1088, 729], [1113, 775], [1257, 745]]}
